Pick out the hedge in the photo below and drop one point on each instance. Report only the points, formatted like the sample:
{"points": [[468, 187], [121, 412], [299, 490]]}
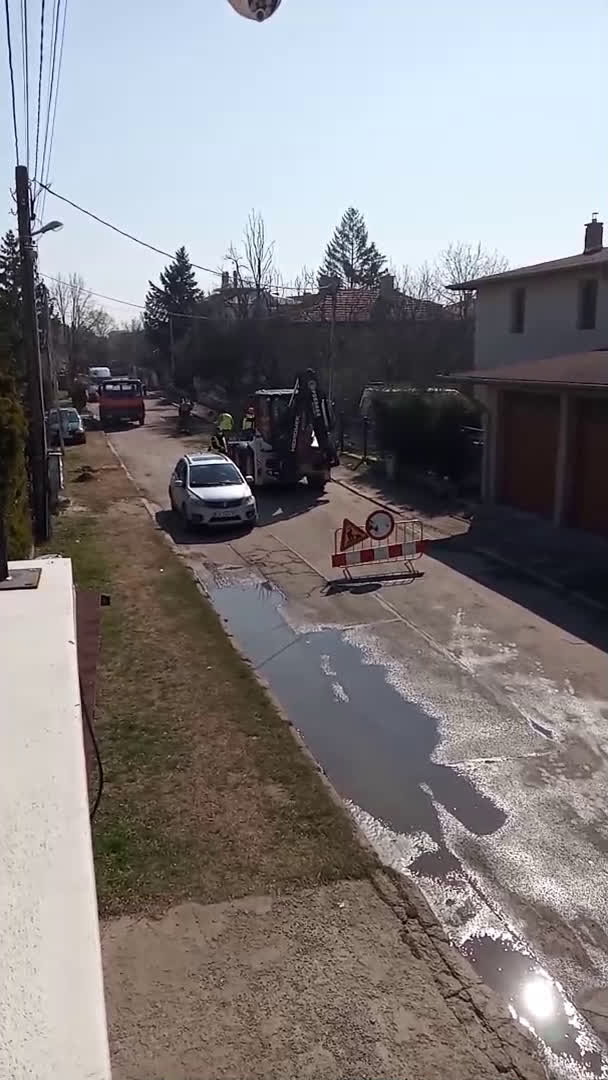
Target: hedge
{"points": [[14, 488]]}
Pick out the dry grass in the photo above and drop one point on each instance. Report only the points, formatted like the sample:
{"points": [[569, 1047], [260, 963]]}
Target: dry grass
{"points": [[207, 794]]}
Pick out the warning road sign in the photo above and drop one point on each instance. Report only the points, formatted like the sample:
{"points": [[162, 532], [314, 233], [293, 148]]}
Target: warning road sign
{"points": [[351, 534], [380, 524]]}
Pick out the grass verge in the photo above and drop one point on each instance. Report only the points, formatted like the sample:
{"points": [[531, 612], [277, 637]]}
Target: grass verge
{"points": [[207, 794]]}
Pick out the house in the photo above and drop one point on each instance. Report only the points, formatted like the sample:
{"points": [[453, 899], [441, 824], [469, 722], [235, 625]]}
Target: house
{"points": [[548, 309], [541, 376]]}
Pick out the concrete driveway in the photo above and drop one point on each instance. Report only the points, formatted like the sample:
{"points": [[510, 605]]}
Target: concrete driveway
{"points": [[462, 715]]}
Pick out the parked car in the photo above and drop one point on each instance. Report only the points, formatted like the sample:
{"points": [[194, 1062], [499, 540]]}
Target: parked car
{"points": [[72, 426], [208, 489]]}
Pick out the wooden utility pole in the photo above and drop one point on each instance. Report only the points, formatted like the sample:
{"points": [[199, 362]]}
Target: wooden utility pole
{"points": [[37, 429]]}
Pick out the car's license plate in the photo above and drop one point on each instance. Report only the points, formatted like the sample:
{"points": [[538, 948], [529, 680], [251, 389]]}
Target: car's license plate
{"points": [[224, 513]]}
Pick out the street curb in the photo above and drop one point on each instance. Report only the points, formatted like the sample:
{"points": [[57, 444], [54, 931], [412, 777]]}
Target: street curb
{"points": [[489, 553]]}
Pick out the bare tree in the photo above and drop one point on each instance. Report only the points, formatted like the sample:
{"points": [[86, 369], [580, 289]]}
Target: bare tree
{"points": [[416, 289], [78, 316], [306, 280], [259, 253], [462, 262], [254, 274]]}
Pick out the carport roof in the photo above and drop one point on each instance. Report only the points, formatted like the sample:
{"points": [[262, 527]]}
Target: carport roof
{"points": [[585, 370]]}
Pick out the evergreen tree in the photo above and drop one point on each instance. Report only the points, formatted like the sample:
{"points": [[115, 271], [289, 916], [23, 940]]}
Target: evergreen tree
{"points": [[177, 294], [10, 304], [349, 256]]}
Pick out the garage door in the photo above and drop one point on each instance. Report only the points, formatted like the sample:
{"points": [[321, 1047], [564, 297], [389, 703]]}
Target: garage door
{"points": [[590, 482], [530, 428]]}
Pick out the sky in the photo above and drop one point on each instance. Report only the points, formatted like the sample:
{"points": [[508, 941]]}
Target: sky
{"points": [[442, 122]]}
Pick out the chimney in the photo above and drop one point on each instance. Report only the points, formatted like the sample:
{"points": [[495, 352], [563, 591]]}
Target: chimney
{"points": [[235, 279], [225, 280], [387, 286], [594, 235]]}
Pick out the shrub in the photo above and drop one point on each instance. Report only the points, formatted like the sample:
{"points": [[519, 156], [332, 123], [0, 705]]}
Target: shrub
{"points": [[14, 489], [427, 430]]}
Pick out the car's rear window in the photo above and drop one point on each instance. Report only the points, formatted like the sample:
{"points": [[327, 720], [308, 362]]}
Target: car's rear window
{"points": [[125, 389], [215, 474]]}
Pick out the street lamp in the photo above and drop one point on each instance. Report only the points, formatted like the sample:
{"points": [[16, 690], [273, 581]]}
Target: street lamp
{"points": [[51, 226], [255, 9]]}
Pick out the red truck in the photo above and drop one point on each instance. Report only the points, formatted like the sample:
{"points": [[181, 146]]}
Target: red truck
{"points": [[121, 399]]}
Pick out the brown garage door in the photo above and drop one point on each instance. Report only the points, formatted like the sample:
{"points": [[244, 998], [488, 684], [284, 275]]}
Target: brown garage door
{"points": [[589, 482], [530, 426]]}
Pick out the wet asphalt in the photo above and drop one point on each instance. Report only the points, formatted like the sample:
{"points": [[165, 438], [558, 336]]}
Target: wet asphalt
{"points": [[436, 713]]}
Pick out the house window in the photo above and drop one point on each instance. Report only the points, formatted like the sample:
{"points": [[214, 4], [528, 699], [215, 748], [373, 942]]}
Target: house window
{"points": [[518, 310], [587, 304]]}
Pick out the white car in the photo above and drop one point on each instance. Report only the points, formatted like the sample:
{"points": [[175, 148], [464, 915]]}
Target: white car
{"points": [[208, 489]]}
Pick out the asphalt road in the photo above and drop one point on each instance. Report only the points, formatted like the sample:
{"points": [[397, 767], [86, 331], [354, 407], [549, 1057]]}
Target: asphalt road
{"points": [[463, 716]]}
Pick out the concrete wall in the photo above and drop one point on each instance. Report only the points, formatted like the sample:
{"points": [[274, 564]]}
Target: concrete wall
{"points": [[53, 1015], [550, 322]]}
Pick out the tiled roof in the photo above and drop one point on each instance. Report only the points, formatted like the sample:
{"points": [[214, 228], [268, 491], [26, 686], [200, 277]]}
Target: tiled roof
{"points": [[582, 370], [358, 306], [352, 305]]}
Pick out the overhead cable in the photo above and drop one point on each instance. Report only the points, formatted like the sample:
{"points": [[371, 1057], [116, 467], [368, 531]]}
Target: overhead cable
{"points": [[127, 303], [25, 68], [12, 77], [40, 67], [45, 175], [144, 243]]}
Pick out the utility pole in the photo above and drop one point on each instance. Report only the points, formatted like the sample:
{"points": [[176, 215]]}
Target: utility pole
{"points": [[37, 430], [171, 350]]}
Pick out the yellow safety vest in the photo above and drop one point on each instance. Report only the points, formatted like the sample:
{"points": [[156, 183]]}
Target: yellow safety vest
{"points": [[225, 422]]}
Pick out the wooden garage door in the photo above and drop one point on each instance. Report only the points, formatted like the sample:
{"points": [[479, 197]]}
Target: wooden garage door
{"points": [[530, 427], [590, 478]]}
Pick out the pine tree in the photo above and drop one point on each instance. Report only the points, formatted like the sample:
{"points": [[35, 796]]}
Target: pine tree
{"points": [[177, 294], [349, 256]]}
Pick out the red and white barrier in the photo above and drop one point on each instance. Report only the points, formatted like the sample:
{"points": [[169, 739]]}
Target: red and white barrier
{"points": [[406, 551], [353, 546]]}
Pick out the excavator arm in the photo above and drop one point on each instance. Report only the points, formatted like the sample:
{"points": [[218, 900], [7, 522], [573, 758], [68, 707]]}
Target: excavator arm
{"points": [[311, 413]]}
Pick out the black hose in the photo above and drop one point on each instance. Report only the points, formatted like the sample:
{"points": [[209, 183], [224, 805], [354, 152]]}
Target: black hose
{"points": [[87, 718]]}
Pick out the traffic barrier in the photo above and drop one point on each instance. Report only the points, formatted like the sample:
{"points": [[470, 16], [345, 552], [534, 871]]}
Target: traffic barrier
{"points": [[408, 543]]}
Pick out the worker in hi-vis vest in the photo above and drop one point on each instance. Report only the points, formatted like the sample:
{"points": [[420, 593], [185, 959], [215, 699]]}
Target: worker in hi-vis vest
{"points": [[225, 423], [249, 420]]}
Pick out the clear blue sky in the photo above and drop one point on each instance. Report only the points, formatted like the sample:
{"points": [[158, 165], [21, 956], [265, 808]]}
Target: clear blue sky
{"points": [[441, 121]]}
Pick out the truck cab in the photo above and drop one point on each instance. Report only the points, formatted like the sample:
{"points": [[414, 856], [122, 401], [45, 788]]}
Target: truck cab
{"points": [[121, 399]]}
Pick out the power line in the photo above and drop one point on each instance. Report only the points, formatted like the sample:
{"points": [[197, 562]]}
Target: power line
{"points": [[51, 80], [44, 177], [143, 243], [127, 303], [129, 236], [40, 67], [25, 61], [12, 77]]}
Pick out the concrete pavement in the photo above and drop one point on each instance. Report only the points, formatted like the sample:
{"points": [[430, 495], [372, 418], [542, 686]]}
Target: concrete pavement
{"points": [[463, 718]]}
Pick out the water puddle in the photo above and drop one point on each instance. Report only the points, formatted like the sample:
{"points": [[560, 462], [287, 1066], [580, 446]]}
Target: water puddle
{"points": [[539, 1003], [374, 745], [377, 748]]}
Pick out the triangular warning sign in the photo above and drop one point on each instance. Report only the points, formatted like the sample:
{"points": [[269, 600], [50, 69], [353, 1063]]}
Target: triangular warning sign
{"points": [[351, 534]]}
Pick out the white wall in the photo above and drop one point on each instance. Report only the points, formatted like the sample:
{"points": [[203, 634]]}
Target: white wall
{"points": [[550, 323], [52, 1020]]}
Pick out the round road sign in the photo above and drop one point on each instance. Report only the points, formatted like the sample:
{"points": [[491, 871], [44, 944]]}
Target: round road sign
{"points": [[380, 524]]}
